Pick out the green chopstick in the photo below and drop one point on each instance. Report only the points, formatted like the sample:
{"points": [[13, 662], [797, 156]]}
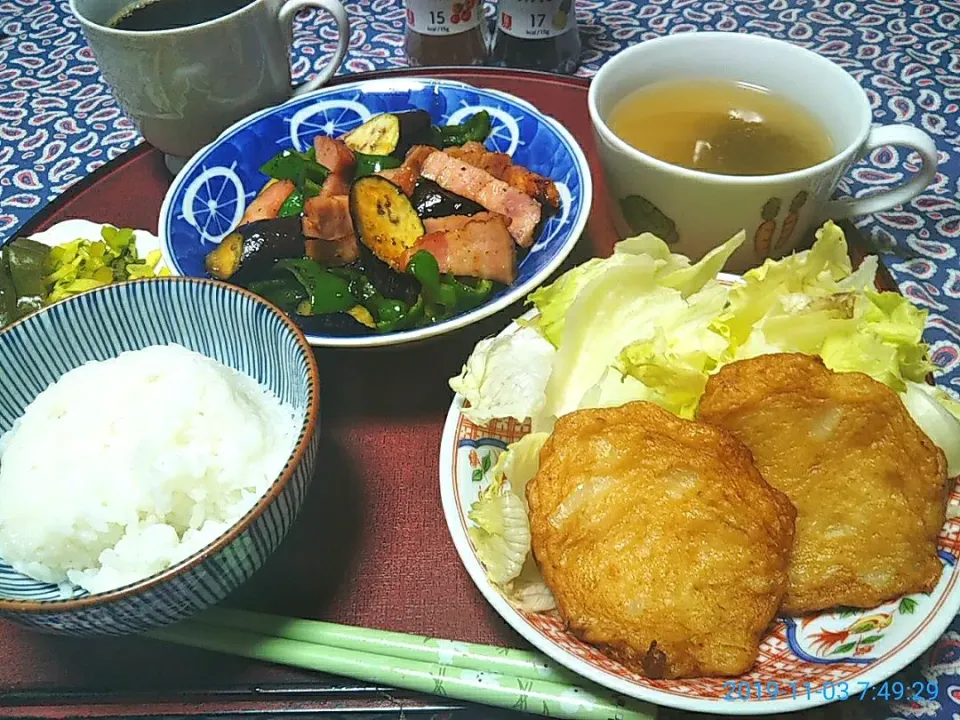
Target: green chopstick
{"points": [[541, 697], [468, 656]]}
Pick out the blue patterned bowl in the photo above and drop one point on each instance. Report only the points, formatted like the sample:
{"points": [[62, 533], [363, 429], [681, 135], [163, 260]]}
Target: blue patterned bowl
{"points": [[208, 197], [212, 318]]}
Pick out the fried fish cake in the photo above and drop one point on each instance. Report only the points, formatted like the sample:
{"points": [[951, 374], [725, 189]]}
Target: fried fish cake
{"points": [[659, 539], [869, 486]]}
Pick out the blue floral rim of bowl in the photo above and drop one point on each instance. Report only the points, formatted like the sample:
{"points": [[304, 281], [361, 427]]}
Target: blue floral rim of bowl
{"points": [[207, 199], [58, 333]]}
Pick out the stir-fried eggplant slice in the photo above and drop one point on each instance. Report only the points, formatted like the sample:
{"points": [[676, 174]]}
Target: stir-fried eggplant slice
{"points": [[389, 133], [431, 200], [250, 251], [384, 219], [223, 261], [388, 282]]}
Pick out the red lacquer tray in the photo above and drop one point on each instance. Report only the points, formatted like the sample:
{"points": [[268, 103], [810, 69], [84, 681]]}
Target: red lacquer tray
{"points": [[370, 547]]}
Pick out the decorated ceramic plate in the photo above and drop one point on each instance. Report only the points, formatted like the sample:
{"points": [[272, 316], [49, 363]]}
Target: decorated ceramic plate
{"points": [[802, 662], [207, 199]]}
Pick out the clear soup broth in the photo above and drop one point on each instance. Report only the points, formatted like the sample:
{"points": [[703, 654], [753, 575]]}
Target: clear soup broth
{"points": [[721, 127]]}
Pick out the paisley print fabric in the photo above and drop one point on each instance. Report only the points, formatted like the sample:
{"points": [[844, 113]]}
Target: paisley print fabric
{"points": [[58, 122]]}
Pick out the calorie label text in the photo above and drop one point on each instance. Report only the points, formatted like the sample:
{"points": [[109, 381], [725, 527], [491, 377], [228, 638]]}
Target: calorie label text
{"points": [[443, 17], [535, 19]]}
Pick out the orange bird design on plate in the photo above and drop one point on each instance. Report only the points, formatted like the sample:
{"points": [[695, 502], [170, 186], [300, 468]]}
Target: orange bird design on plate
{"points": [[826, 640]]}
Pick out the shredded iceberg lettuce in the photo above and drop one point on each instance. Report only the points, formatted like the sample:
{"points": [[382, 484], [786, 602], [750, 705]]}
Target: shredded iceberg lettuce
{"points": [[675, 362], [506, 376], [501, 530], [520, 462], [500, 533], [813, 302], [615, 389], [633, 302], [938, 415], [528, 591], [552, 301]]}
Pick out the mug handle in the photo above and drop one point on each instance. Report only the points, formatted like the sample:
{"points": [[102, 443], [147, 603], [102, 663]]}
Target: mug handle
{"points": [[288, 11], [900, 136]]}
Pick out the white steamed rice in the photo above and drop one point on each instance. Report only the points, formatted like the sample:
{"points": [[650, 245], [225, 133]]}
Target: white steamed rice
{"points": [[124, 467]]}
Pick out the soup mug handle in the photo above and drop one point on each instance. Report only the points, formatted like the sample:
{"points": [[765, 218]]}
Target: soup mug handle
{"points": [[897, 136], [289, 10]]}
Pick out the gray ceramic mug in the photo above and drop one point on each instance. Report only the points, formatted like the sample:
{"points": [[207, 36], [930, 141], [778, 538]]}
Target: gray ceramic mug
{"points": [[183, 87]]}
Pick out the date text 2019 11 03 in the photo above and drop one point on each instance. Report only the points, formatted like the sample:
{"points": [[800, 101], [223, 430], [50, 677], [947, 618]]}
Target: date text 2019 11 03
{"points": [[888, 690]]}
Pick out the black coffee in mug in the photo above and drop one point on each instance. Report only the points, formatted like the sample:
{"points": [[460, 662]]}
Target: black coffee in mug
{"points": [[170, 14], [205, 65]]}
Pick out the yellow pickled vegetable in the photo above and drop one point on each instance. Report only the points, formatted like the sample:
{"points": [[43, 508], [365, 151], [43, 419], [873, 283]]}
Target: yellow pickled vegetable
{"points": [[82, 265]]}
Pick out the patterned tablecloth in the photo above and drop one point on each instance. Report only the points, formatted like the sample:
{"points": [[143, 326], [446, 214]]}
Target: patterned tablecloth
{"points": [[58, 122]]}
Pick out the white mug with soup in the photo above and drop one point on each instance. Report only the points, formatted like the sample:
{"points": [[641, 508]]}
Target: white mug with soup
{"points": [[702, 135]]}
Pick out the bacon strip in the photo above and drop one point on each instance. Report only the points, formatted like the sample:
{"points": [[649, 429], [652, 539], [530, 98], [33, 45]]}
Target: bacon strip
{"points": [[405, 177], [328, 228], [339, 160], [334, 155], [480, 186], [479, 246], [266, 205], [501, 166], [455, 222]]}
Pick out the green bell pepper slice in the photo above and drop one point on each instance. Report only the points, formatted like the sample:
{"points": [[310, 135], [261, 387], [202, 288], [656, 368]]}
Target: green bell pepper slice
{"points": [[444, 295], [292, 165], [476, 129], [423, 266], [409, 318], [282, 292], [293, 205], [469, 295], [371, 164], [327, 293]]}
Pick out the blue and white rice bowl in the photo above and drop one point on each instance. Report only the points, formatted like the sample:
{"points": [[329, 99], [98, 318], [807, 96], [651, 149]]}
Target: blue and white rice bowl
{"points": [[216, 320], [208, 197]]}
